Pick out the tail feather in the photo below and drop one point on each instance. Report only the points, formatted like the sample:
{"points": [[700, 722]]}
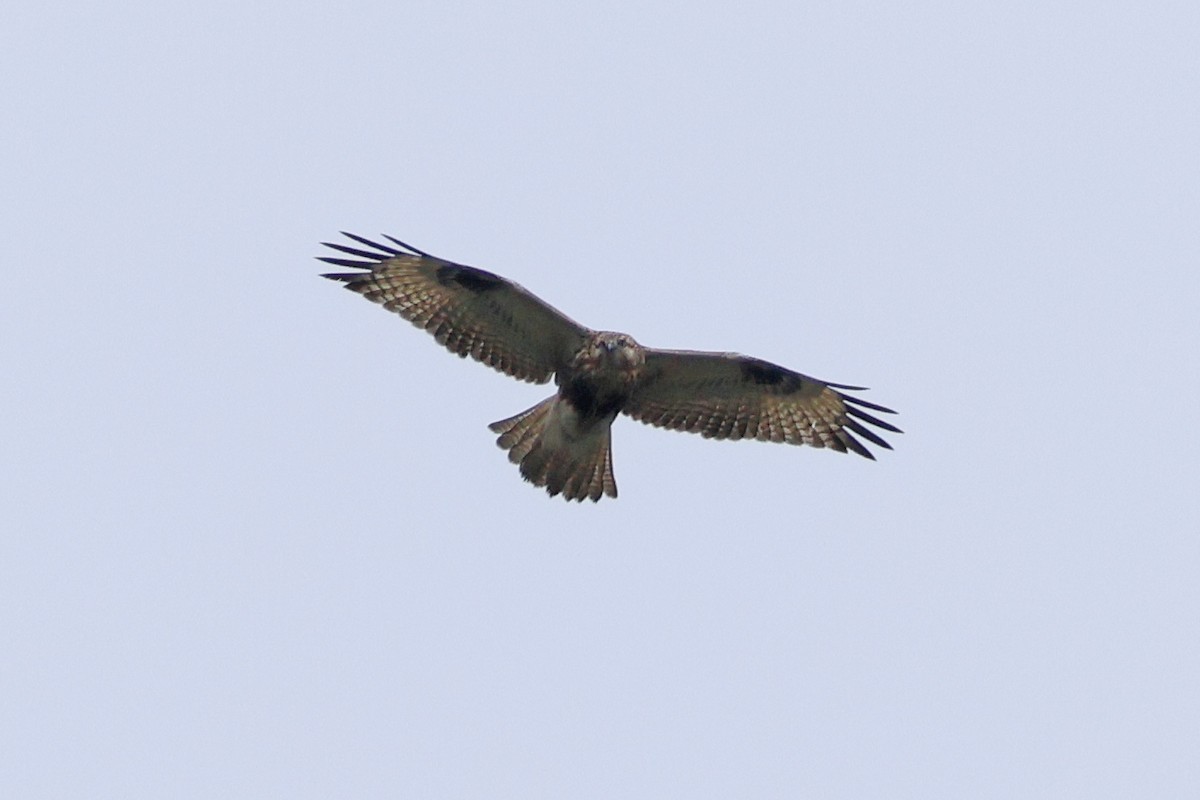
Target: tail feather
{"points": [[519, 433], [552, 452]]}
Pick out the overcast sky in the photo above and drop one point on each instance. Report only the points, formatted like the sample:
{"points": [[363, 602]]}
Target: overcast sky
{"points": [[257, 540]]}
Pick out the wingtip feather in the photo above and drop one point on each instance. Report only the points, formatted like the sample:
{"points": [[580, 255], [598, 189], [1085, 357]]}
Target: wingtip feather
{"points": [[346, 262], [406, 246]]}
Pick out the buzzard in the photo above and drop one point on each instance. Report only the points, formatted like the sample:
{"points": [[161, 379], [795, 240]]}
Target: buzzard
{"points": [[564, 442]]}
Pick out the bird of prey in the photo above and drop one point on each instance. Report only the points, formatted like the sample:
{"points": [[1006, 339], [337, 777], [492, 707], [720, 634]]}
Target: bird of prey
{"points": [[564, 442]]}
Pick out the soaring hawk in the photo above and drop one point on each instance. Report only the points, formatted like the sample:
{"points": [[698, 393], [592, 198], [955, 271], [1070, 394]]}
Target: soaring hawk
{"points": [[564, 442]]}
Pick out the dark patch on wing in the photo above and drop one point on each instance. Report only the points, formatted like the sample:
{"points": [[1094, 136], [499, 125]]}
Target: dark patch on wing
{"points": [[469, 278], [765, 373]]}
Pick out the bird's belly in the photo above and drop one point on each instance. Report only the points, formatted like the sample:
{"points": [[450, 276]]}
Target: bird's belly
{"points": [[569, 425]]}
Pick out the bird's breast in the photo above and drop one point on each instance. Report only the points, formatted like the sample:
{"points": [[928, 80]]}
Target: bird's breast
{"points": [[592, 399]]}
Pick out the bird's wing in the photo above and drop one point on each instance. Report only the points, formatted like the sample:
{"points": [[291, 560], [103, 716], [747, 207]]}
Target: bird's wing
{"points": [[469, 311], [731, 396]]}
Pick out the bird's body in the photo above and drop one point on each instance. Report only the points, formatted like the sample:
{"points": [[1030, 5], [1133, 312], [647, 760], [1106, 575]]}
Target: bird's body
{"points": [[564, 442]]}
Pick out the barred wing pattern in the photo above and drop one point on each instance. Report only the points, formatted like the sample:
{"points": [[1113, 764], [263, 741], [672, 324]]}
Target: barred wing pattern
{"points": [[731, 396], [469, 311]]}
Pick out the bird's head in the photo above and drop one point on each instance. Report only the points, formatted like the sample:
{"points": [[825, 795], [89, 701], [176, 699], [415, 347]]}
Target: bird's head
{"points": [[619, 350]]}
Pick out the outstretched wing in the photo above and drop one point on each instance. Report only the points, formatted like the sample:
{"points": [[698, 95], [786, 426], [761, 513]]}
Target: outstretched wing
{"points": [[469, 311], [731, 396]]}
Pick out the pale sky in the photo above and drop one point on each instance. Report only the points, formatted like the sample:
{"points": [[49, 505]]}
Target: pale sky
{"points": [[257, 540]]}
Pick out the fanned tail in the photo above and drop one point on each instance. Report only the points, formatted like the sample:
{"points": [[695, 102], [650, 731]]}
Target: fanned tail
{"points": [[552, 452]]}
